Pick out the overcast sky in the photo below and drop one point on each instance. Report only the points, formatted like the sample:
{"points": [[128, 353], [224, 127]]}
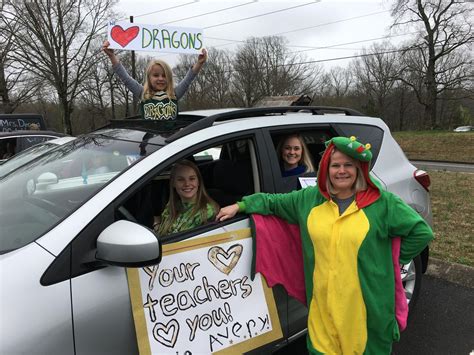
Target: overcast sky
{"points": [[305, 24]]}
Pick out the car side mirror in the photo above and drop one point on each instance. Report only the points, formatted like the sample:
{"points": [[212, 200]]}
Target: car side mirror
{"points": [[45, 180], [128, 244]]}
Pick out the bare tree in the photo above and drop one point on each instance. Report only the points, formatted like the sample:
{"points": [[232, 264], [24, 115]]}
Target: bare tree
{"points": [[212, 87], [339, 82], [375, 74], [55, 40], [16, 85], [445, 28], [265, 67]]}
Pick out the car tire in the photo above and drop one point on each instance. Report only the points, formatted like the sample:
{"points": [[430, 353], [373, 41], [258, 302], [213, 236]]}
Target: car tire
{"points": [[411, 278]]}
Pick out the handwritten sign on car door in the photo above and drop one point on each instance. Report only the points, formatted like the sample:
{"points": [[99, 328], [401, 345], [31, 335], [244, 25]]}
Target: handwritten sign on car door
{"points": [[201, 300]]}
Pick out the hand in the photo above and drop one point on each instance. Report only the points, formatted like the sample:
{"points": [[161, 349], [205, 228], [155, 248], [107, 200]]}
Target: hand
{"points": [[107, 50], [227, 212], [202, 58]]}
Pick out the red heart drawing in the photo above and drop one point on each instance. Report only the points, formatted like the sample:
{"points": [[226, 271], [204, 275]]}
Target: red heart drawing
{"points": [[124, 37]]}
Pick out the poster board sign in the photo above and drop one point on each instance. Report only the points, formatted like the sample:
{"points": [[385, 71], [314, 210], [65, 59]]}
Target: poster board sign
{"points": [[19, 122], [307, 181], [141, 37], [200, 299]]}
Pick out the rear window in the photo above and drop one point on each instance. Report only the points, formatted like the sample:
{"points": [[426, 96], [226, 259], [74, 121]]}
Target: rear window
{"points": [[364, 134]]}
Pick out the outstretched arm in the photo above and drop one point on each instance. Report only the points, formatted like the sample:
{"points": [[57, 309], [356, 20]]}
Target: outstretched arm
{"points": [[135, 87]]}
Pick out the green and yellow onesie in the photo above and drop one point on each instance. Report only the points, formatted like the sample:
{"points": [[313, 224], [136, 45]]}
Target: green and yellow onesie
{"points": [[348, 261]]}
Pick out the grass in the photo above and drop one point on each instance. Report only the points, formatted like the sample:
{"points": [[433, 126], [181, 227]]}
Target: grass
{"points": [[437, 145], [452, 196], [452, 193]]}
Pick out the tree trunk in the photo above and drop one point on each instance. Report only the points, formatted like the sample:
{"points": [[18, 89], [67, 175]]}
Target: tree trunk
{"points": [[401, 111], [7, 107], [66, 110], [431, 95]]}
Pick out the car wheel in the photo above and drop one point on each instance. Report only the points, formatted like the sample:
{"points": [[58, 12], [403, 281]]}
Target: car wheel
{"points": [[411, 279]]}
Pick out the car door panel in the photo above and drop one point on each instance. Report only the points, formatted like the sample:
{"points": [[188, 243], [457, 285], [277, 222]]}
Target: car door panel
{"points": [[103, 321], [43, 313]]}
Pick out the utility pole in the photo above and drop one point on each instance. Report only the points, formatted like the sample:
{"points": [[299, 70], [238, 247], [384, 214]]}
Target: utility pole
{"points": [[134, 76]]}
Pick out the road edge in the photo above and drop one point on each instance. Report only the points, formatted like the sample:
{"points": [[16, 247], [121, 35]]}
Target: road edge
{"points": [[452, 272]]}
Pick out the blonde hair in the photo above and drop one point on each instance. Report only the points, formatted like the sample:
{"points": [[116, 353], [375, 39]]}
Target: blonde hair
{"points": [[359, 184], [175, 206], [305, 154], [148, 92]]}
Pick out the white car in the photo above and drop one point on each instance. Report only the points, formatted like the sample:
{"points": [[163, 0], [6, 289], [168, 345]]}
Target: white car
{"points": [[72, 241], [464, 129]]}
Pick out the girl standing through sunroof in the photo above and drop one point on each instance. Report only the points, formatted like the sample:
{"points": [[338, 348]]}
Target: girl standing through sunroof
{"points": [[158, 95]]}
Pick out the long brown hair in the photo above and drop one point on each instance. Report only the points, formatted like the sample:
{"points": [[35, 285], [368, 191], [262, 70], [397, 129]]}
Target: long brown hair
{"points": [[148, 92], [305, 154], [176, 207]]}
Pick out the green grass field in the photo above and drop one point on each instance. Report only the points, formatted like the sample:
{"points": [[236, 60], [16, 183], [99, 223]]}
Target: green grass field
{"points": [[437, 145], [452, 193], [452, 196]]}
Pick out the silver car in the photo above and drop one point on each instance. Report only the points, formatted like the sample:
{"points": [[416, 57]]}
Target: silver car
{"points": [[69, 232]]}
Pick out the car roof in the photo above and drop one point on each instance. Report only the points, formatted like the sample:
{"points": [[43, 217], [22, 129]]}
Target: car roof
{"points": [[30, 133], [262, 116], [61, 140], [189, 122]]}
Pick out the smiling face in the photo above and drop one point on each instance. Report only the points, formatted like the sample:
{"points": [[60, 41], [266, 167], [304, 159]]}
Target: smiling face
{"points": [[342, 174], [157, 78], [186, 183], [291, 151]]}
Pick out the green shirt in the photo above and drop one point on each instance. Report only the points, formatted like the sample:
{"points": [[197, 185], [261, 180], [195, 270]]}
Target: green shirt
{"points": [[187, 219]]}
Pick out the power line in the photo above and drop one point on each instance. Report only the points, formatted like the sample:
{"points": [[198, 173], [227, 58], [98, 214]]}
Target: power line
{"points": [[211, 12], [306, 28], [309, 48], [334, 59], [340, 58], [348, 43], [332, 22], [261, 15], [162, 10]]}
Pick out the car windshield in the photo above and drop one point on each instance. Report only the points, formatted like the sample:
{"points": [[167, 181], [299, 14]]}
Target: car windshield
{"points": [[41, 193], [24, 157]]}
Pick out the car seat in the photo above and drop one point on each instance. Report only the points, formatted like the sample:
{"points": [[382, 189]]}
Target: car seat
{"points": [[231, 181]]}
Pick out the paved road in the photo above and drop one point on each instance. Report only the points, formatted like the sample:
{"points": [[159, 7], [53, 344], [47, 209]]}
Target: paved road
{"points": [[442, 322], [440, 165]]}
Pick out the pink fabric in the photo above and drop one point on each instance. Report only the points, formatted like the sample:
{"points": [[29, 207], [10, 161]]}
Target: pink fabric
{"points": [[401, 305], [279, 255]]}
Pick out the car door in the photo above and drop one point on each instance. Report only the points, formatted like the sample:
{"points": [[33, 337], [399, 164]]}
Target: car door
{"points": [[101, 309]]}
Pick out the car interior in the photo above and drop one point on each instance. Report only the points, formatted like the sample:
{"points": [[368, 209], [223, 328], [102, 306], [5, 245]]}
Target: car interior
{"points": [[229, 173]]}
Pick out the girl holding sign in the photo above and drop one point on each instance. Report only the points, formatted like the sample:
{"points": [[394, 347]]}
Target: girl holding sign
{"points": [[347, 226], [159, 97], [189, 205]]}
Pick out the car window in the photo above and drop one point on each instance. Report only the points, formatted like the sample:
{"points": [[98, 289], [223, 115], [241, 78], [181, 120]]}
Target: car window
{"points": [[365, 134], [42, 192], [228, 172], [28, 141], [305, 173]]}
